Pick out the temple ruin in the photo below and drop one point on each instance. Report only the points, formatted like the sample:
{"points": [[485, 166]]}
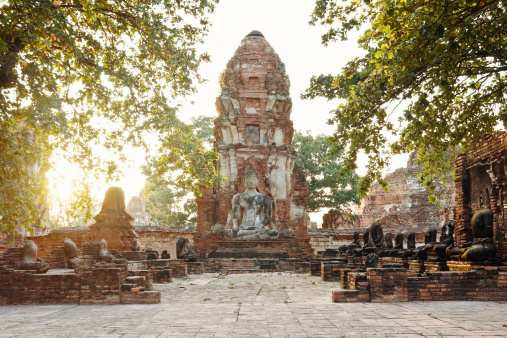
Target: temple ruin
{"points": [[401, 249]]}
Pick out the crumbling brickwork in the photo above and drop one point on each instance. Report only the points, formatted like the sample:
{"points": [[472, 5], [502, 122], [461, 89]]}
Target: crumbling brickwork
{"points": [[487, 283], [253, 128], [481, 178], [405, 207], [336, 220], [97, 285]]}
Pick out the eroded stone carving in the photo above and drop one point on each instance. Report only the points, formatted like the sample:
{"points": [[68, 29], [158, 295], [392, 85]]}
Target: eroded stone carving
{"points": [[185, 250], [482, 247], [165, 255], [104, 255], [255, 209], [151, 254], [372, 260], [71, 253], [30, 260]]}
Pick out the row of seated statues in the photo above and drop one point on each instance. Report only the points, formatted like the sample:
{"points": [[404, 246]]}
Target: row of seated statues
{"points": [[184, 250], [480, 249]]}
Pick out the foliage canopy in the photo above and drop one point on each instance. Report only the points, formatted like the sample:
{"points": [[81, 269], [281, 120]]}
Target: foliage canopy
{"points": [[323, 163], [79, 73], [446, 59], [166, 201]]}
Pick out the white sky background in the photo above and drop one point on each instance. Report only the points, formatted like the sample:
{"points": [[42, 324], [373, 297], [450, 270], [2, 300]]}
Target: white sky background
{"points": [[285, 26]]}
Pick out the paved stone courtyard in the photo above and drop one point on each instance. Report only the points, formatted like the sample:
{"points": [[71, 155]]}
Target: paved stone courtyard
{"points": [[255, 305]]}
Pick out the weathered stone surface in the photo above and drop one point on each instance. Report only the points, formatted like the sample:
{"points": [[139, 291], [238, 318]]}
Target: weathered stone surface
{"points": [[71, 253], [253, 129], [30, 260], [336, 220], [405, 207], [481, 179], [113, 223], [137, 209], [185, 250]]}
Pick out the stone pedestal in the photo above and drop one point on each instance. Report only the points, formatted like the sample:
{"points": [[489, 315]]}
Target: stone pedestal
{"points": [[113, 223], [396, 260], [435, 266], [252, 249], [466, 266], [415, 266]]}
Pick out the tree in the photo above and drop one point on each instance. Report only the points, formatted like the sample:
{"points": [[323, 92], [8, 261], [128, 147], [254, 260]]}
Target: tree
{"points": [[323, 163], [77, 209], [80, 73], [166, 201], [447, 60]]}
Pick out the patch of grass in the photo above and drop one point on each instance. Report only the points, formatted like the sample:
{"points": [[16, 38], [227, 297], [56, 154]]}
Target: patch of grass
{"points": [[206, 299], [231, 283]]}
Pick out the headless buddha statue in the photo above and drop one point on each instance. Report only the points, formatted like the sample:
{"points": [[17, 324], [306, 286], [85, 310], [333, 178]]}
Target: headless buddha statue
{"points": [[482, 247], [436, 251]]}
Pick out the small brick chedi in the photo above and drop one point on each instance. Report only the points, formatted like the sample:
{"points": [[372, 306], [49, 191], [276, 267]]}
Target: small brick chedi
{"points": [[253, 133], [113, 223]]}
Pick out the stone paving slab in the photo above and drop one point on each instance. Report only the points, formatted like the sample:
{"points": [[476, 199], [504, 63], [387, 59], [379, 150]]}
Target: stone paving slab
{"points": [[255, 305]]}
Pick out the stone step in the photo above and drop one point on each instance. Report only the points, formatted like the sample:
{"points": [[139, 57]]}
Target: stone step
{"points": [[140, 297], [139, 280], [239, 271], [132, 287], [350, 296]]}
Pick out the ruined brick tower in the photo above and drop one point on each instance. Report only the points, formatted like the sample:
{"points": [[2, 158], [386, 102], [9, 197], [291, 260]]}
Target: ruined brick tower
{"points": [[253, 127]]}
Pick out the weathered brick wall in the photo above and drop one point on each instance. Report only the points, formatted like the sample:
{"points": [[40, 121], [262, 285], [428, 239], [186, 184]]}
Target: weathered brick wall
{"points": [[336, 220], [473, 183], [406, 206], [488, 284], [253, 128], [156, 237], [56, 237], [101, 285], [22, 287], [387, 285], [163, 238]]}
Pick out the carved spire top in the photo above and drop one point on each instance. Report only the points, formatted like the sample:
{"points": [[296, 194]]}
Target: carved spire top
{"points": [[255, 33]]}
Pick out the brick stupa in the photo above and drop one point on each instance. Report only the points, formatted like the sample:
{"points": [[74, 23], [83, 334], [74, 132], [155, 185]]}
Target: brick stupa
{"points": [[253, 127], [113, 223]]}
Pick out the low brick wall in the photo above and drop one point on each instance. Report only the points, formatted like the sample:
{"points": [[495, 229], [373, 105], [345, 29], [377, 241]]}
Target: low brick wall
{"points": [[387, 285], [93, 286], [249, 265], [98, 285], [331, 271], [486, 284]]}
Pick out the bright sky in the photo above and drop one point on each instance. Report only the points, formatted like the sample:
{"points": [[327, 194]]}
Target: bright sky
{"points": [[285, 26]]}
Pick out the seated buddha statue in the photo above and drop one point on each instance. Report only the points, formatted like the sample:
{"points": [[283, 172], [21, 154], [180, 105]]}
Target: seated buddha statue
{"points": [[255, 209], [482, 247], [436, 251]]}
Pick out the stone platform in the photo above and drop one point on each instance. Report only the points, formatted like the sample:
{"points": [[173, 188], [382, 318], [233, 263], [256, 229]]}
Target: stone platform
{"points": [[256, 249], [255, 305]]}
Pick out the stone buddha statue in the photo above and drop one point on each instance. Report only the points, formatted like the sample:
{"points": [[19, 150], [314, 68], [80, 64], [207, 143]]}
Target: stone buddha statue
{"points": [[251, 211], [482, 247], [436, 251]]}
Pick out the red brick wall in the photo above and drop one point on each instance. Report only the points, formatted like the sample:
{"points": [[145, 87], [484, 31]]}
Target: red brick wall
{"points": [[489, 284], [101, 285], [387, 285], [472, 181]]}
